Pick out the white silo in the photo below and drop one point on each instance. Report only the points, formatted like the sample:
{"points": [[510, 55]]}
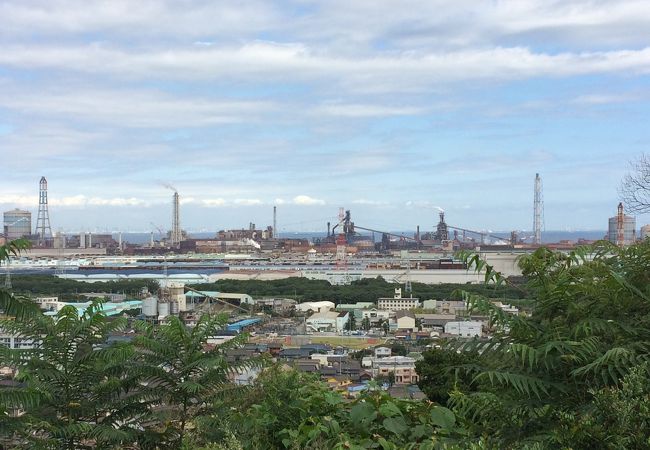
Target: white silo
{"points": [[163, 310], [150, 306]]}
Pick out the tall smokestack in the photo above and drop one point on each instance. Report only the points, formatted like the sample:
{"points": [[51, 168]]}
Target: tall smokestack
{"points": [[275, 222], [538, 208], [176, 222]]}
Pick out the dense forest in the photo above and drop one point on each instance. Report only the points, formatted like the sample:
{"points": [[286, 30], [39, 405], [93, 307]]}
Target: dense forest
{"points": [[52, 285], [303, 289], [366, 290]]}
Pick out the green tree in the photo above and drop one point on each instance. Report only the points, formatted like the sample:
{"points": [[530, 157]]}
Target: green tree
{"points": [[11, 304], [365, 324], [183, 374], [589, 327], [73, 393], [440, 373]]}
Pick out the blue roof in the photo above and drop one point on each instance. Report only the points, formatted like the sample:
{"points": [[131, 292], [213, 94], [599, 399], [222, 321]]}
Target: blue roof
{"points": [[242, 323]]}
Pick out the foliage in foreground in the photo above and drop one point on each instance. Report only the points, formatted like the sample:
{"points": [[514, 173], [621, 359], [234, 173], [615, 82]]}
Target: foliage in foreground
{"points": [[541, 378], [287, 409]]}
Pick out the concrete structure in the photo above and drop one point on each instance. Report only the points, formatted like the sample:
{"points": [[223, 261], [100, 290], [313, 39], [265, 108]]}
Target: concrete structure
{"points": [[629, 230], [464, 329], [315, 306], [17, 224], [327, 321], [397, 302], [174, 293]]}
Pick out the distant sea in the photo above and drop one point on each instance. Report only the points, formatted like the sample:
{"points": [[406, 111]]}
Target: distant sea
{"points": [[547, 236]]}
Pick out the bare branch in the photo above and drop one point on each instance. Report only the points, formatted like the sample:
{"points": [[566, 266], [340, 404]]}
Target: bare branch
{"points": [[635, 187]]}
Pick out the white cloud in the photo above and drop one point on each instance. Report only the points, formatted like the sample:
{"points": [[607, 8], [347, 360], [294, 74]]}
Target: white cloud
{"points": [[307, 200], [363, 201], [247, 201], [130, 108], [79, 200], [262, 61], [213, 202], [604, 99], [366, 110]]}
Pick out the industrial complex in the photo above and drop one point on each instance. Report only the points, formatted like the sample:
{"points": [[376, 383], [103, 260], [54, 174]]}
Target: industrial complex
{"points": [[348, 251]]}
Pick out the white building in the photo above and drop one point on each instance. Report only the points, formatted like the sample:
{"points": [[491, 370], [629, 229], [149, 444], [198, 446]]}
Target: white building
{"points": [[402, 367], [404, 321], [327, 321], [464, 329], [507, 308], [382, 352], [397, 302], [374, 315], [315, 306], [14, 341]]}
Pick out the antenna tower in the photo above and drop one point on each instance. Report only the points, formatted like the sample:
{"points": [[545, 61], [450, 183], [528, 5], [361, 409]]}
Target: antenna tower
{"points": [[538, 211], [176, 236], [43, 228]]}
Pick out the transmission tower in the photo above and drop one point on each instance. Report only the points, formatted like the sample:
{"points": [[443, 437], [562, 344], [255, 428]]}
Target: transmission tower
{"points": [[43, 228], [538, 211]]}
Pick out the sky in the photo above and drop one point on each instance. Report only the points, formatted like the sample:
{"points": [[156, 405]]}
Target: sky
{"points": [[391, 109]]}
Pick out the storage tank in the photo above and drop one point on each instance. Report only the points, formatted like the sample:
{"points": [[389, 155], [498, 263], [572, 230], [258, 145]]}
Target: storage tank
{"points": [[173, 308], [17, 223], [629, 230], [150, 306], [163, 310]]}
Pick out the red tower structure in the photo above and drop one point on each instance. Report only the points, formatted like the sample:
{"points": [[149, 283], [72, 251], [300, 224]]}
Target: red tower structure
{"points": [[620, 226]]}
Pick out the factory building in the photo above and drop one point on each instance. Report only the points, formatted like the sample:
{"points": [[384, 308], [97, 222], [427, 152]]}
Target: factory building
{"points": [[17, 224], [629, 230]]}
